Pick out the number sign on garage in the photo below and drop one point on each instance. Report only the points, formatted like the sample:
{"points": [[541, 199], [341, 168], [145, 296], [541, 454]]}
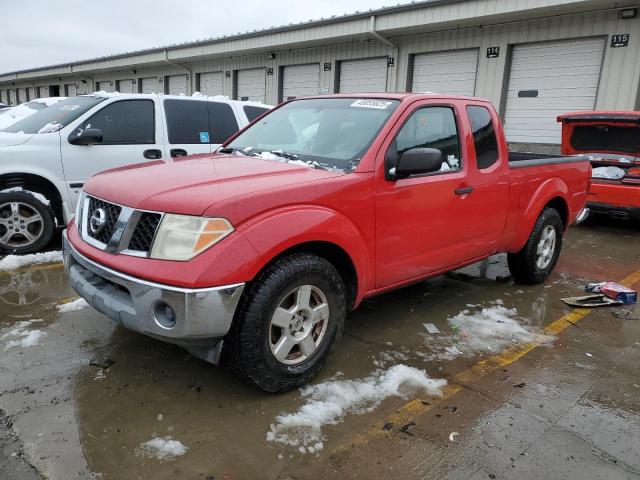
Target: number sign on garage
{"points": [[251, 85], [176, 85], [367, 75], [300, 80], [211, 83], [445, 72], [548, 79]]}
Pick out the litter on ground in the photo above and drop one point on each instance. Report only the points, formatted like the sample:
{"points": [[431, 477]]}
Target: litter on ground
{"points": [[431, 328]]}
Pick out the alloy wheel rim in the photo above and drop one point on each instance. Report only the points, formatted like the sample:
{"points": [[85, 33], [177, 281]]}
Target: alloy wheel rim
{"points": [[21, 225], [298, 324], [546, 247]]}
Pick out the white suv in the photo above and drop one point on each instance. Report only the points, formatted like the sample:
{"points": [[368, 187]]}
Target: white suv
{"points": [[46, 158]]}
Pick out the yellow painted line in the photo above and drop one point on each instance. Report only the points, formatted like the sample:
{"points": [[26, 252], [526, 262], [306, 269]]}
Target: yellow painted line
{"points": [[417, 407]]}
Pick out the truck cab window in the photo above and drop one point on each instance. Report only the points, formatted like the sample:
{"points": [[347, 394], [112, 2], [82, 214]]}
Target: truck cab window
{"points": [[432, 127], [126, 122], [484, 136]]}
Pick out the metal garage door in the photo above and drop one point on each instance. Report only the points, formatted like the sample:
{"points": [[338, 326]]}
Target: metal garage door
{"points": [[300, 80], [548, 79], [149, 85], [43, 92], [211, 83], [251, 85], [177, 84], [125, 86], [22, 95], [368, 75], [12, 96], [31, 93], [70, 90], [445, 72], [104, 86]]}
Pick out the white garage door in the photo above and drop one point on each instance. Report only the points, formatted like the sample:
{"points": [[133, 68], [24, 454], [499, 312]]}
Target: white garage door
{"points": [[445, 72], [12, 97], [251, 85], [300, 80], [104, 86], [22, 95], [149, 85], [31, 93], [548, 79], [211, 83], [71, 90], [177, 85], [368, 75], [43, 92], [125, 86]]}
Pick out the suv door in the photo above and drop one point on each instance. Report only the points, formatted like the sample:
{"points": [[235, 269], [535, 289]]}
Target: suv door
{"points": [[421, 220], [188, 131], [130, 134]]}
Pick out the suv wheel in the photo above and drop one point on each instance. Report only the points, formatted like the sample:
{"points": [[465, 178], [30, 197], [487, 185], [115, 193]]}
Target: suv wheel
{"points": [[26, 224], [535, 262], [287, 323]]}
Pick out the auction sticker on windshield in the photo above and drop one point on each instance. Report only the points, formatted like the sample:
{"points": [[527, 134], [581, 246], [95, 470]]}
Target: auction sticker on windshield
{"points": [[371, 103]]}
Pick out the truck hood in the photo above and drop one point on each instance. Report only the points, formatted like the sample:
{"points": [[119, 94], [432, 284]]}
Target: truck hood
{"points": [[192, 185], [12, 139]]}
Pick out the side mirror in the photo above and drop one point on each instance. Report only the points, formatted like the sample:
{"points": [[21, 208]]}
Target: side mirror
{"points": [[419, 160], [88, 136]]}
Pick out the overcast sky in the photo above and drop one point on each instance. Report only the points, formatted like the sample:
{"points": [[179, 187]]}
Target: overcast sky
{"points": [[37, 33]]}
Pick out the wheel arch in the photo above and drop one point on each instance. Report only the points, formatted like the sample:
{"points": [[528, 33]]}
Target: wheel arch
{"points": [[38, 184]]}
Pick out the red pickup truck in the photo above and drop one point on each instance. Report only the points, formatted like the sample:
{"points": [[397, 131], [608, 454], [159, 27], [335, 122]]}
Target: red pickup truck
{"points": [[253, 256], [611, 141]]}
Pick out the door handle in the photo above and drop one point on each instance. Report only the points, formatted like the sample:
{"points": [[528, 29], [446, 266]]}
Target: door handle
{"points": [[464, 191], [152, 154], [178, 152]]}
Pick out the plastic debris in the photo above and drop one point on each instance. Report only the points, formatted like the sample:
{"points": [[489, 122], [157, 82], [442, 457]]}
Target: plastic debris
{"points": [[614, 291], [589, 301], [431, 328], [588, 354], [453, 436]]}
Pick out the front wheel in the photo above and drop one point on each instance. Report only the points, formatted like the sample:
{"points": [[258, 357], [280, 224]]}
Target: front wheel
{"points": [[26, 223], [535, 262], [287, 323]]}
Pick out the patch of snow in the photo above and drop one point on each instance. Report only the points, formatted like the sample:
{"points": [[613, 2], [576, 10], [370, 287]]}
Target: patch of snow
{"points": [[21, 336], [12, 262], [162, 448], [41, 198], [74, 306], [50, 127], [329, 402], [610, 173]]}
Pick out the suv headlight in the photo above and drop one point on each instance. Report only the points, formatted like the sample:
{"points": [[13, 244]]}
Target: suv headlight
{"points": [[182, 237]]}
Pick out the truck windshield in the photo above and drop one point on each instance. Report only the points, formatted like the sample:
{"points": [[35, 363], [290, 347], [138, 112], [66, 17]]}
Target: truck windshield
{"points": [[54, 117], [332, 133]]}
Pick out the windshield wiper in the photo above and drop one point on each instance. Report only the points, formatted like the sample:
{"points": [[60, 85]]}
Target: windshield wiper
{"points": [[288, 156], [232, 150]]}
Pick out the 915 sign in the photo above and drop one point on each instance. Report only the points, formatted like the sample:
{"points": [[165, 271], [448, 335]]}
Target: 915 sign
{"points": [[620, 40]]}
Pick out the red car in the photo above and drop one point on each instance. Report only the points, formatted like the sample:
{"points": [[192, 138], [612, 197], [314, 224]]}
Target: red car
{"points": [[611, 141], [254, 255]]}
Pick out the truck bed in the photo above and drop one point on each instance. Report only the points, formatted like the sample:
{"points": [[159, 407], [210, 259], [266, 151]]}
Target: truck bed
{"points": [[529, 159]]}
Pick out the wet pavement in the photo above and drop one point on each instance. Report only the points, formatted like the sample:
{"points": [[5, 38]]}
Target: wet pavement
{"points": [[567, 409]]}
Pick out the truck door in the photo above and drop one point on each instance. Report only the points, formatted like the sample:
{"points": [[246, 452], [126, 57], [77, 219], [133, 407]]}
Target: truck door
{"points": [[422, 222]]}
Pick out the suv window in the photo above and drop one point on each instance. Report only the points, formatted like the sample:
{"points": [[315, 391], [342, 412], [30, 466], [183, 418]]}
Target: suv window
{"points": [[224, 122], [484, 136], [186, 121], [432, 127], [125, 122], [253, 112]]}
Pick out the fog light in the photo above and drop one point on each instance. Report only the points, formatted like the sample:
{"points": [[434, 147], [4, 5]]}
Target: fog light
{"points": [[164, 315]]}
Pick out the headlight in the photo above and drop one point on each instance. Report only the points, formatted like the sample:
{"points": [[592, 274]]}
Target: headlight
{"points": [[181, 237]]}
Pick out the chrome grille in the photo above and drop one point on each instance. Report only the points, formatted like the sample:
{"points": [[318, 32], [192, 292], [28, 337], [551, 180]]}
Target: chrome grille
{"points": [[145, 231], [112, 213]]}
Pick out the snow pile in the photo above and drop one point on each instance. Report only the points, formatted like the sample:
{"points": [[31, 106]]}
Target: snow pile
{"points": [[41, 198], [490, 330], [11, 262], [162, 448], [610, 173], [50, 127], [21, 336], [329, 402], [74, 306]]}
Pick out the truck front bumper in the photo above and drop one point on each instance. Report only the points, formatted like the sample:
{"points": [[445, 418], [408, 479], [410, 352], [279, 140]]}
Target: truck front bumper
{"points": [[196, 319]]}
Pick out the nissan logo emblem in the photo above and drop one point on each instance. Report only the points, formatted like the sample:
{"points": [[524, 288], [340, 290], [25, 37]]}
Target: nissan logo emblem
{"points": [[98, 220]]}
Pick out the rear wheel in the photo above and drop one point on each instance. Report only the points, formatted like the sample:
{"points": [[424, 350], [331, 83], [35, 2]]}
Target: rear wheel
{"points": [[288, 321], [26, 224], [535, 262]]}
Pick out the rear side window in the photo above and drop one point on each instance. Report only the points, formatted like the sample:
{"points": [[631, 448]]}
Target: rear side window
{"points": [[484, 136], [253, 112], [223, 121], [127, 122], [187, 121]]}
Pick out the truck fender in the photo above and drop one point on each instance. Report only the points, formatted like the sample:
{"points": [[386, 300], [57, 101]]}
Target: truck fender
{"points": [[527, 210], [274, 233]]}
